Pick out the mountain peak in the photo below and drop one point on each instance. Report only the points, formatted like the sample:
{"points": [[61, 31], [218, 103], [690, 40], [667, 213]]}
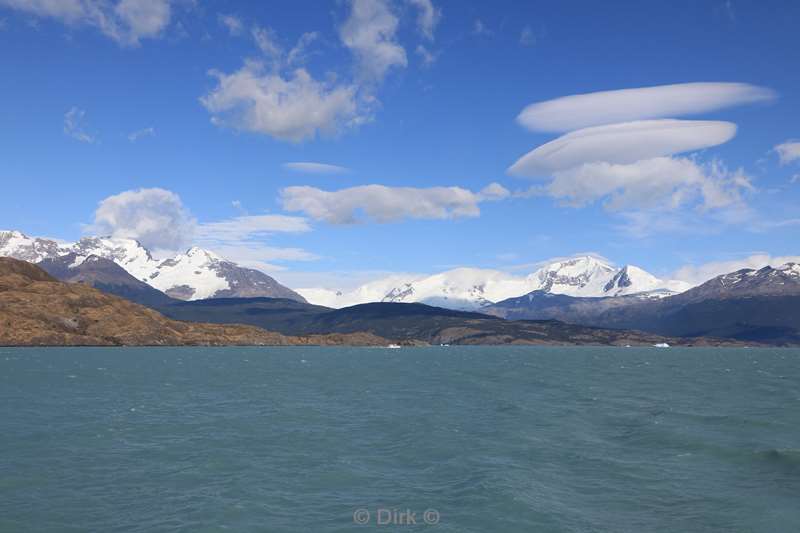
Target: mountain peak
{"points": [[196, 252], [579, 262]]}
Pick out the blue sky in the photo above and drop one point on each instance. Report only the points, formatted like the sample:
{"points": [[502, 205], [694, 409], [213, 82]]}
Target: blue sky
{"points": [[100, 98]]}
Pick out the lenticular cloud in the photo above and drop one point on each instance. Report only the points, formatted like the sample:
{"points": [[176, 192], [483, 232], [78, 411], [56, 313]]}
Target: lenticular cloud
{"points": [[623, 143], [607, 107]]}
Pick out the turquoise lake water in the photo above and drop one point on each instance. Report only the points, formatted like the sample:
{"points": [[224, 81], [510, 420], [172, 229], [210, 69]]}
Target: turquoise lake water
{"points": [[460, 439]]}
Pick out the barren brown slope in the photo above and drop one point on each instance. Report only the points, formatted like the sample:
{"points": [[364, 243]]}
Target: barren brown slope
{"points": [[38, 310]]}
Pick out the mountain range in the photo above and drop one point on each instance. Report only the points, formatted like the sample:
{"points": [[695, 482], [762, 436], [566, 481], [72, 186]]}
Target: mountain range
{"points": [[38, 310], [199, 274], [750, 305], [475, 289], [755, 306], [193, 275]]}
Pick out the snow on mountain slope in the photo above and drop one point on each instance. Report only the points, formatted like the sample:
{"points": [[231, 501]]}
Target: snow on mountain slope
{"points": [[19, 246], [472, 288], [127, 253], [199, 274], [767, 281], [193, 275], [374, 291], [579, 276], [633, 280], [461, 288], [190, 276]]}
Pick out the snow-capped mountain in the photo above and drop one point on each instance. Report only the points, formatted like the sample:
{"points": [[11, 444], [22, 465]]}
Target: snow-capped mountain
{"points": [[193, 275], [471, 288], [20, 246], [767, 281]]}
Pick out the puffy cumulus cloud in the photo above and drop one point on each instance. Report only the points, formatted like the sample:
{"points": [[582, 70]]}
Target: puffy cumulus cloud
{"points": [[663, 183], [294, 107], [697, 274], [307, 167], [125, 21], [273, 96], [428, 18], [74, 126], [580, 111], [158, 219], [369, 33], [788, 151], [155, 217], [623, 143], [386, 204]]}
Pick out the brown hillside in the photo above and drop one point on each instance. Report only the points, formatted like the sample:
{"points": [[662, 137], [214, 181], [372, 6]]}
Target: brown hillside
{"points": [[38, 310]]}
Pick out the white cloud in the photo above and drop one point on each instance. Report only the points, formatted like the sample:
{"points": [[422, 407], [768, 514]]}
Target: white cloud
{"points": [[258, 255], [158, 219], [291, 108], [622, 143], [155, 217], [527, 37], [138, 134], [142, 18], [125, 21], [267, 42], [233, 23], [696, 274], [428, 57], [242, 239], [385, 204], [315, 168], [788, 151], [299, 53], [782, 223], [692, 223], [593, 109], [429, 16], [248, 226], [74, 126], [369, 33], [272, 96], [479, 28], [661, 183]]}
